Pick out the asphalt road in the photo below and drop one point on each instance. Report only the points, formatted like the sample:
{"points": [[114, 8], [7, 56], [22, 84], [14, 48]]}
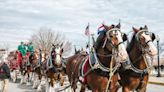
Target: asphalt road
{"points": [[16, 87]]}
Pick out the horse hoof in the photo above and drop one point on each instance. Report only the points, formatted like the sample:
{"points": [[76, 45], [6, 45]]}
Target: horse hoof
{"points": [[34, 87], [28, 84], [39, 90]]}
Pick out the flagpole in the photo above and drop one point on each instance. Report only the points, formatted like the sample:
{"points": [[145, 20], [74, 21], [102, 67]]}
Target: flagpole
{"points": [[87, 33], [89, 42]]}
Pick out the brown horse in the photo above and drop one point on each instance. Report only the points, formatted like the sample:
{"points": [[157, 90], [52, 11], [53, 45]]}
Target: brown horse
{"points": [[108, 50], [28, 62], [40, 71], [55, 69], [38, 67], [140, 49]]}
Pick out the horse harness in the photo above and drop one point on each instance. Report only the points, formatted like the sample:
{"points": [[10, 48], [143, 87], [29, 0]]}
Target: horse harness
{"points": [[139, 72]]}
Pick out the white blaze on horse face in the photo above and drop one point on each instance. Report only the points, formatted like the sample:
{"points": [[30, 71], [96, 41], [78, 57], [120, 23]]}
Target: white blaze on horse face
{"points": [[121, 47], [151, 47], [37, 57], [43, 58], [58, 57]]}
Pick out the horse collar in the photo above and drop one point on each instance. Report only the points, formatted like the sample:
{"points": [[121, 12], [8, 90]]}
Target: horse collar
{"points": [[98, 64]]}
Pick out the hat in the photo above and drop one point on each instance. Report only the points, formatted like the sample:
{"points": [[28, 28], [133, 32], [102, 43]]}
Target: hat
{"points": [[30, 42], [21, 42]]}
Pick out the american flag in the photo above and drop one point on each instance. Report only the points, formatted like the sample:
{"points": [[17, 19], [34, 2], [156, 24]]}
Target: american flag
{"points": [[87, 33]]}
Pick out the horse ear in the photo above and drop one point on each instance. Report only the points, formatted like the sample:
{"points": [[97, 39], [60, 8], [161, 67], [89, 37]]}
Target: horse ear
{"points": [[153, 36], [135, 30], [124, 37], [53, 45], [146, 27], [61, 44], [118, 25], [106, 27]]}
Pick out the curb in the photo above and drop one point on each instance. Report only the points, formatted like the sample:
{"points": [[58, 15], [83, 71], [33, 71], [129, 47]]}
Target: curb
{"points": [[156, 83]]}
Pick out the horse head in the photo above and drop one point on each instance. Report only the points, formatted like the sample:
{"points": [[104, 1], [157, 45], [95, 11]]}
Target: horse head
{"points": [[114, 39], [56, 55], [33, 57], [145, 40]]}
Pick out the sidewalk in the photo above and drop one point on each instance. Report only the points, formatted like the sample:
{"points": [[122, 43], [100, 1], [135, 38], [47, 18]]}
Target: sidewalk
{"points": [[156, 80]]}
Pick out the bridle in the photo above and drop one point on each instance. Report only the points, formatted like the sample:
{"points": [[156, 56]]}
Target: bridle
{"points": [[54, 53], [139, 44], [143, 54], [108, 39], [113, 55]]}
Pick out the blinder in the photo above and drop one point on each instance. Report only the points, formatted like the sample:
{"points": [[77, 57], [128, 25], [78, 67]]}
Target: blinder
{"points": [[111, 30], [109, 36], [124, 36], [153, 37]]}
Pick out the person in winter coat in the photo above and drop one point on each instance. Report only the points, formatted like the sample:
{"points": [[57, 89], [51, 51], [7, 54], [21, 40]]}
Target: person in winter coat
{"points": [[4, 76]]}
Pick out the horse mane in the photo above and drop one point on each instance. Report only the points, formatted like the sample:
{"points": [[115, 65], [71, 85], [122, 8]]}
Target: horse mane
{"points": [[99, 40], [131, 44], [77, 52]]}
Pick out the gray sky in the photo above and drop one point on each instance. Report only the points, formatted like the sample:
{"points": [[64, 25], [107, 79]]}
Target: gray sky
{"points": [[21, 18]]}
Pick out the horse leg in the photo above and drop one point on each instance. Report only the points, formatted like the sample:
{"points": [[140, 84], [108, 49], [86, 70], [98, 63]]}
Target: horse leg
{"points": [[28, 78], [143, 89], [61, 79], [43, 82], [22, 77], [74, 85], [82, 88], [125, 89], [53, 85], [114, 83], [35, 80], [14, 75]]}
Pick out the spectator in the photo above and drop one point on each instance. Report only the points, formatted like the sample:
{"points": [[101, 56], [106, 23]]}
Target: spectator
{"points": [[4, 76]]}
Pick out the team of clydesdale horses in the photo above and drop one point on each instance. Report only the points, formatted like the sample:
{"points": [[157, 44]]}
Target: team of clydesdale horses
{"points": [[104, 68]]}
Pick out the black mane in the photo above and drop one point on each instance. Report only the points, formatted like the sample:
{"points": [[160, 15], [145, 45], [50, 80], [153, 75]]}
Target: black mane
{"points": [[99, 40], [131, 44]]}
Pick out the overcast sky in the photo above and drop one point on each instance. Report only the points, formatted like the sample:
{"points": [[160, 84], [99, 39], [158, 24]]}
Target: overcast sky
{"points": [[19, 19]]}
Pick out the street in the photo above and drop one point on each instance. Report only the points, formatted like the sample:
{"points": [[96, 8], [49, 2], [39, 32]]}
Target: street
{"points": [[16, 87]]}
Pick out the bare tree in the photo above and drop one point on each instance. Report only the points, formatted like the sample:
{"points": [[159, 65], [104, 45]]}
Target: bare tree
{"points": [[45, 37]]}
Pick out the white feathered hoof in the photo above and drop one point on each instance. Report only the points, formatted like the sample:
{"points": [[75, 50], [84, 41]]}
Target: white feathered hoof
{"points": [[14, 80], [22, 81], [34, 85], [39, 89], [28, 83], [47, 88], [51, 89]]}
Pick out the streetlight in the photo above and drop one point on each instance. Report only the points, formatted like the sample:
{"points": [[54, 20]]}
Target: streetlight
{"points": [[158, 75]]}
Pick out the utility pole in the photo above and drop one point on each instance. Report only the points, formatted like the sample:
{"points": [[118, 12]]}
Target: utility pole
{"points": [[159, 74]]}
